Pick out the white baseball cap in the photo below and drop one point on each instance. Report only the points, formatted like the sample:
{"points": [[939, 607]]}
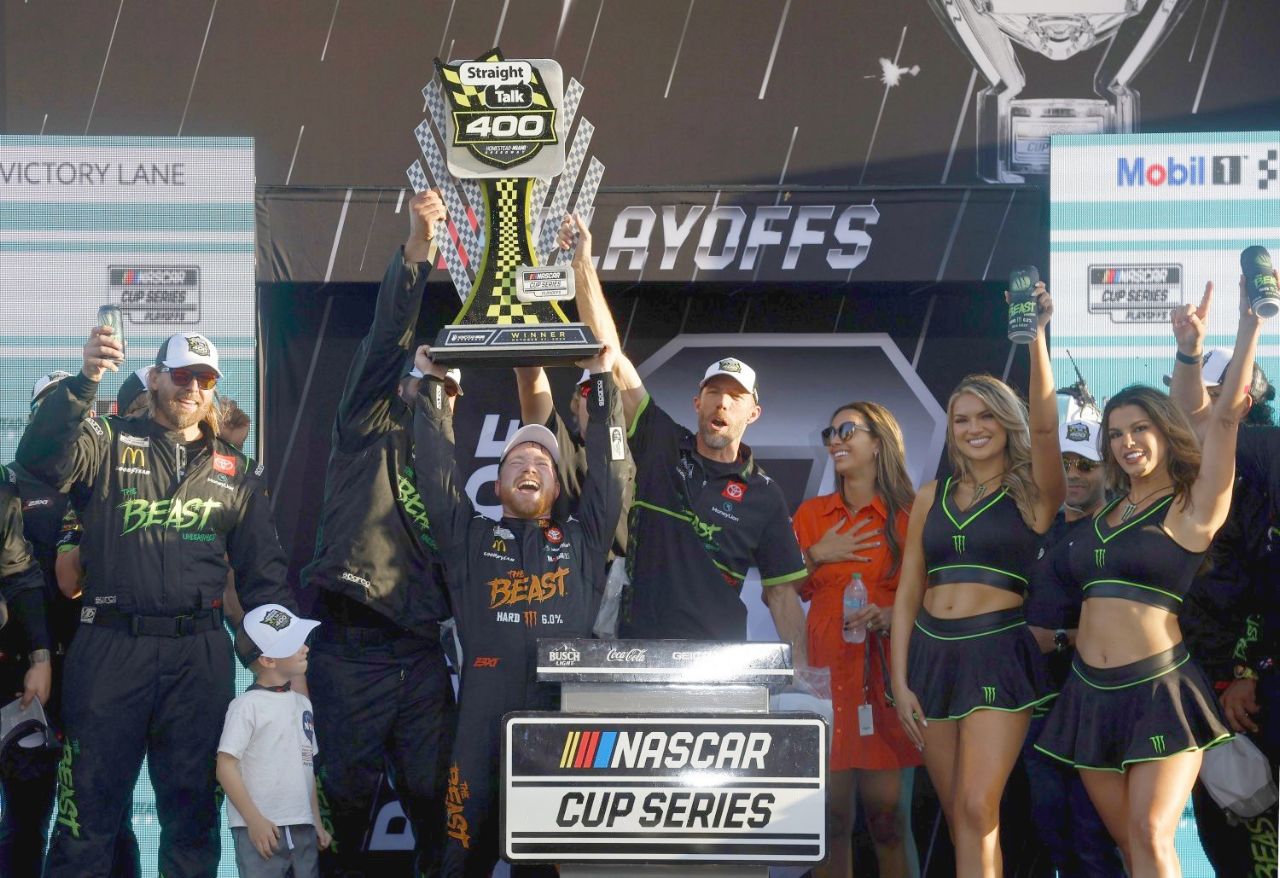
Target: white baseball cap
{"points": [[271, 631], [1080, 437], [735, 369], [45, 383], [188, 349], [537, 434]]}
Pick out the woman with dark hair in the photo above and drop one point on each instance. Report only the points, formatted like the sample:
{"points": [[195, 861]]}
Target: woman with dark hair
{"points": [[860, 528], [1136, 713], [966, 670]]}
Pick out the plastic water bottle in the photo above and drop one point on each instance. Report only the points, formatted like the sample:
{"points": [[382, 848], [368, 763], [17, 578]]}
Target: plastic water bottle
{"points": [[855, 598]]}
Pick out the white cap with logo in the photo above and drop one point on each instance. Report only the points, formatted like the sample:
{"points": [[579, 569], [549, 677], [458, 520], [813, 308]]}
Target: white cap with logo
{"points": [[537, 434], [735, 369], [1080, 437], [272, 631], [45, 382], [188, 349]]}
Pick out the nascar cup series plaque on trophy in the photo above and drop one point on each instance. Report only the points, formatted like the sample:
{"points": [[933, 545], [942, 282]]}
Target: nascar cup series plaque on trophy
{"points": [[503, 124]]}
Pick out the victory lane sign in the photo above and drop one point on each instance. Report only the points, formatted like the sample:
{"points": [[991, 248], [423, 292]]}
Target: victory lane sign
{"points": [[594, 788], [504, 141]]}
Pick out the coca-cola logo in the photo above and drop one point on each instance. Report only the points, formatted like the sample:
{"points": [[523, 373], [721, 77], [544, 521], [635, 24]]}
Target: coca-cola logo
{"points": [[627, 656]]}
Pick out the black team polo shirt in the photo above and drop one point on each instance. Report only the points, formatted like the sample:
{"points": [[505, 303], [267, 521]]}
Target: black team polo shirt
{"points": [[696, 527]]}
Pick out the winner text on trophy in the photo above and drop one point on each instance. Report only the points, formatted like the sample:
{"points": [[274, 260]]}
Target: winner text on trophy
{"points": [[507, 178]]}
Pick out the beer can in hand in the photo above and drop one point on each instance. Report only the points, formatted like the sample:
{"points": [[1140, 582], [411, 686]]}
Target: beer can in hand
{"points": [[111, 315], [1022, 304], [1264, 297]]}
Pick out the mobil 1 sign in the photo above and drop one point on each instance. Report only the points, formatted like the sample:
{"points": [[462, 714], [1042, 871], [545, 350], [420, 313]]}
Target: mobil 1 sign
{"points": [[593, 788]]}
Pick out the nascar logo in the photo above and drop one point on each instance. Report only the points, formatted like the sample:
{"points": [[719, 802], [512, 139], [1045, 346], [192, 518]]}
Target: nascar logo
{"points": [[608, 749]]}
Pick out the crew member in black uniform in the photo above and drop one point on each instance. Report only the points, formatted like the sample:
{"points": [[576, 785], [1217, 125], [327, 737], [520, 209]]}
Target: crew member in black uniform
{"points": [[512, 581], [29, 774], [704, 512], [167, 508], [1137, 712], [966, 670], [381, 690]]}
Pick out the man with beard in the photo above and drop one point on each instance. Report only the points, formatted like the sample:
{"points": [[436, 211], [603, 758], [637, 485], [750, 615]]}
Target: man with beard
{"points": [[512, 581], [382, 692], [704, 512], [167, 509]]}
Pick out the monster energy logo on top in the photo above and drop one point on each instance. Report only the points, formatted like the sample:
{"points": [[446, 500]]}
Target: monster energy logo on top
{"points": [[502, 129]]}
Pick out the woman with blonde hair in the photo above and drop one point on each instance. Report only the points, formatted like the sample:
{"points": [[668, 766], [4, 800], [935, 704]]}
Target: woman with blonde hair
{"points": [[966, 670], [860, 528], [1136, 714]]}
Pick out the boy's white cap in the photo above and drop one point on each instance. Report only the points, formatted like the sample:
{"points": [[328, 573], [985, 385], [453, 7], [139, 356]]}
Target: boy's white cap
{"points": [[273, 632], [45, 382]]}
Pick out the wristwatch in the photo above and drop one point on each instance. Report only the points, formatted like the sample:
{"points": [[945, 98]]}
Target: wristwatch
{"points": [[1060, 640]]}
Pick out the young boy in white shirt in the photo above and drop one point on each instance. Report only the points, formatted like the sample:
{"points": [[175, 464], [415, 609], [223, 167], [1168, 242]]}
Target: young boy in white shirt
{"points": [[267, 749]]}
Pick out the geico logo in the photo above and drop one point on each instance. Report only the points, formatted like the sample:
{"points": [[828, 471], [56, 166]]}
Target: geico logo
{"points": [[653, 749]]}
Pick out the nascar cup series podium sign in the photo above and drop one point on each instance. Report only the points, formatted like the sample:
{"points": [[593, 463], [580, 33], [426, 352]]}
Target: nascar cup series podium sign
{"points": [[663, 753], [1138, 224], [503, 125]]}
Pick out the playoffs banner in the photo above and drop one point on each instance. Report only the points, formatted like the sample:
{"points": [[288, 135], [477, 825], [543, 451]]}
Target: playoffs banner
{"points": [[162, 227], [1139, 224]]}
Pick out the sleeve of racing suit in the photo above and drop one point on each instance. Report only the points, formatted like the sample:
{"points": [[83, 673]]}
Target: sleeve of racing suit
{"points": [[369, 400], [21, 582], [449, 509], [607, 469], [255, 554], [60, 447]]}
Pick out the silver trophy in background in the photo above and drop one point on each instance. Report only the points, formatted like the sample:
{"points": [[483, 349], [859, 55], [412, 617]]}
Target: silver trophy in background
{"points": [[1013, 131]]}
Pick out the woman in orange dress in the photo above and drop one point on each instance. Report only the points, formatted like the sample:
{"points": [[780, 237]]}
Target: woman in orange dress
{"points": [[860, 528]]}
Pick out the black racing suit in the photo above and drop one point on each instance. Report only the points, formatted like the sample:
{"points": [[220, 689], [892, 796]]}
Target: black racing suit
{"points": [[511, 582], [29, 776], [381, 689], [150, 668]]}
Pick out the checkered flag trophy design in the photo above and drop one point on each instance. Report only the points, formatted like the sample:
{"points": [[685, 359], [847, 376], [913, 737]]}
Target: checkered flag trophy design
{"points": [[494, 145]]}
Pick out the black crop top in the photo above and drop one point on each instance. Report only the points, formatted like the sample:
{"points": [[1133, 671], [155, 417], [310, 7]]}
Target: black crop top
{"points": [[987, 543], [1136, 560]]}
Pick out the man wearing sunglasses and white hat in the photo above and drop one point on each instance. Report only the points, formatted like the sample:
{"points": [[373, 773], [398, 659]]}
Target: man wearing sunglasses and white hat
{"points": [[704, 512], [168, 509]]}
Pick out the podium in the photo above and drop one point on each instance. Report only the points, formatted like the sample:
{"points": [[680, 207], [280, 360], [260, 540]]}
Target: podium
{"points": [[664, 760]]}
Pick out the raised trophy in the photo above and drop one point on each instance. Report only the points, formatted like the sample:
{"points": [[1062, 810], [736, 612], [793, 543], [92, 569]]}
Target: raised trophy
{"points": [[503, 125], [1014, 131]]}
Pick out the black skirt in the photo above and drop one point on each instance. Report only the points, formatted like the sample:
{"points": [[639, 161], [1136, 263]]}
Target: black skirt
{"points": [[985, 662], [1109, 718]]}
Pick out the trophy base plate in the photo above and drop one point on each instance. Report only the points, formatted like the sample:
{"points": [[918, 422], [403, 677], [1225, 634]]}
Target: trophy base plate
{"points": [[541, 344]]}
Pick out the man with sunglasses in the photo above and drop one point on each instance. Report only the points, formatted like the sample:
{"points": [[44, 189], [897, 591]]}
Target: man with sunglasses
{"points": [[167, 509], [704, 512], [1061, 815]]}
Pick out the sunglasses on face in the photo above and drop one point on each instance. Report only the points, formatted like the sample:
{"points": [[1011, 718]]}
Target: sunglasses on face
{"points": [[1085, 466], [843, 432], [182, 377]]}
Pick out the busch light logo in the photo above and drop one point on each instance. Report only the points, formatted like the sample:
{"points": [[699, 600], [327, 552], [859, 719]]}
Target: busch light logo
{"points": [[1142, 172]]}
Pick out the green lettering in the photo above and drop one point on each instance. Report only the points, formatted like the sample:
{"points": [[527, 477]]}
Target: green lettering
{"points": [[158, 514], [68, 812], [135, 515]]}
